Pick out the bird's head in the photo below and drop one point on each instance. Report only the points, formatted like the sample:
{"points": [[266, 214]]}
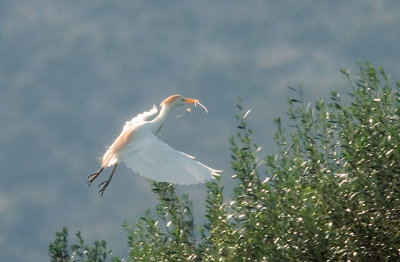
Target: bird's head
{"points": [[178, 100]]}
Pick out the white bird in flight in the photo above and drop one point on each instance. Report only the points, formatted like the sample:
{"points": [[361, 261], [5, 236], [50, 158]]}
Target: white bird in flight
{"points": [[141, 150]]}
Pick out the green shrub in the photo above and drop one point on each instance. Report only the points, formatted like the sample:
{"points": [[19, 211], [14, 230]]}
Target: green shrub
{"points": [[59, 251]]}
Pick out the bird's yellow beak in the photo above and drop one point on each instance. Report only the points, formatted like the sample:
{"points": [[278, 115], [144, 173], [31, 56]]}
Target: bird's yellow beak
{"points": [[195, 102]]}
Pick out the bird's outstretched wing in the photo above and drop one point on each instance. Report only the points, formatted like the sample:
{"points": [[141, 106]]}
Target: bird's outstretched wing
{"points": [[153, 159], [140, 118]]}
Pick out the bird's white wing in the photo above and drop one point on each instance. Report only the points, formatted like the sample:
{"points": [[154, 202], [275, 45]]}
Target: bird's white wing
{"points": [[153, 159], [140, 118]]}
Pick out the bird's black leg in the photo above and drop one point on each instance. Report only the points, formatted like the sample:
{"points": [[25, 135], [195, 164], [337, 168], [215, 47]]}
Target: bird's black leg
{"points": [[93, 176], [104, 184]]}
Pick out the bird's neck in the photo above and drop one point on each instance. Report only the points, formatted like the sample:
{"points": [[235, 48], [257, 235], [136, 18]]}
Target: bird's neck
{"points": [[158, 122]]}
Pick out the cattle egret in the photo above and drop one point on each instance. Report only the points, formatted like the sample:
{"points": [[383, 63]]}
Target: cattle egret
{"points": [[140, 149]]}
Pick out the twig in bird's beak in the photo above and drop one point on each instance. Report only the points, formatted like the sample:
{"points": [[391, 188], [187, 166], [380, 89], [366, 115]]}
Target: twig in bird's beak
{"points": [[198, 103], [195, 102]]}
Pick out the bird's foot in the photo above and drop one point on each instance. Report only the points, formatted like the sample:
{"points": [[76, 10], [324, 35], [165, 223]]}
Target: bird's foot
{"points": [[103, 185], [93, 176]]}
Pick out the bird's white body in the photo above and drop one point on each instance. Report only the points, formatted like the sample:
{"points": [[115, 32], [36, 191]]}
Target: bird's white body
{"points": [[141, 150]]}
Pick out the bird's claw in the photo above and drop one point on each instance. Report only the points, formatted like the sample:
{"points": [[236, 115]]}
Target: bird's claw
{"points": [[103, 185], [93, 176]]}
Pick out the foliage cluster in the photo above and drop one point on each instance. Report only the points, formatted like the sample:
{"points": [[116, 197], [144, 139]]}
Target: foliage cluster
{"points": [[331, 192], [59, 251]]}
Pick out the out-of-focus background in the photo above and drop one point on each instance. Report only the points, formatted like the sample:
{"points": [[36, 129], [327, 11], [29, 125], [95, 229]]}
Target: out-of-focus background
{"points": [[72, 72]]}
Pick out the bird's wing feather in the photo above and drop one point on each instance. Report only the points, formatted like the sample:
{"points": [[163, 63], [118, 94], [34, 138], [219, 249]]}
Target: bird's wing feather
{"points": [[140, 118], [153, 159]]}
